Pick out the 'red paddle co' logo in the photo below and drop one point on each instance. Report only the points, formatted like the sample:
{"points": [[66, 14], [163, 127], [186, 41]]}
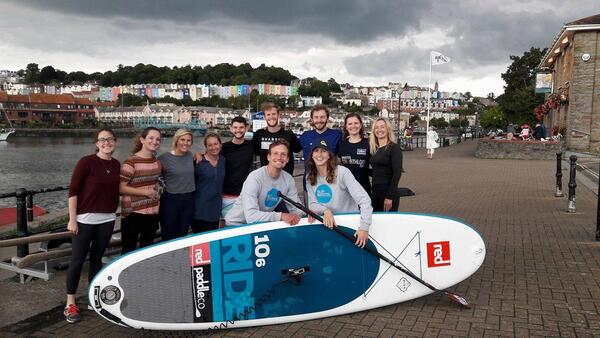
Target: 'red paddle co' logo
{"points": [[438, 254], [201, 284]]}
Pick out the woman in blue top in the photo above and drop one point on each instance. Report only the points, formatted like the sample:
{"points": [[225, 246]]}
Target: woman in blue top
{"points": [[209, 174]]}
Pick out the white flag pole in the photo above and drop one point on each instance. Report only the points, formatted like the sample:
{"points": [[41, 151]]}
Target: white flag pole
{"points": [[429, 96]]}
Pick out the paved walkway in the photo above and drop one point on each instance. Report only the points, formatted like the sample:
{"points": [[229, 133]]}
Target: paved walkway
{"points": [[540, 278]]}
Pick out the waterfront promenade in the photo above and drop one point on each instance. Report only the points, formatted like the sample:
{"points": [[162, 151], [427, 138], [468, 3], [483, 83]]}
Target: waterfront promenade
{"points": [[540, 278]]}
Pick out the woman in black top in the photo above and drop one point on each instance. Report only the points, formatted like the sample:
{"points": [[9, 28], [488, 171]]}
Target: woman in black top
{"points": [[386, 162], [353, 150]]}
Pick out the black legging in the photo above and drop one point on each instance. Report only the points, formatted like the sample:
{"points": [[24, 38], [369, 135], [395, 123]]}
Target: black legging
{"points": [[200, 225], [93, 238], [379, 192], [137, 227]]}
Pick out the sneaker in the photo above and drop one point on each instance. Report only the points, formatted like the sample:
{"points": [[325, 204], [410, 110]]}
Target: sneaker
{"points": [[72, 314]]}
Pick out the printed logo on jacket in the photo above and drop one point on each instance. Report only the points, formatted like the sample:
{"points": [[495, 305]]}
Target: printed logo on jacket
{"points": [[323, 194]]}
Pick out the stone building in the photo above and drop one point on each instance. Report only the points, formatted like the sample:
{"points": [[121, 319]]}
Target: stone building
{"points": [[574, 62]]}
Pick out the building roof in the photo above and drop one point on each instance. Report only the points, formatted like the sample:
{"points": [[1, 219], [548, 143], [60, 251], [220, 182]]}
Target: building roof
{"points": [[590, 20], [565, 36]]}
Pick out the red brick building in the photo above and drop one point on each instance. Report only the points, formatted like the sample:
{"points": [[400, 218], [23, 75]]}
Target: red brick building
{"points": [[48, 108]]}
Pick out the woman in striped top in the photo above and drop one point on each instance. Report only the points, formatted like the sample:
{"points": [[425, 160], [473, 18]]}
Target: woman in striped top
{"points": [[139, 189]]}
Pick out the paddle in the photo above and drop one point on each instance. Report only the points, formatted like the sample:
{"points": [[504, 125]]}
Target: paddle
{"points": [[452, 296]]}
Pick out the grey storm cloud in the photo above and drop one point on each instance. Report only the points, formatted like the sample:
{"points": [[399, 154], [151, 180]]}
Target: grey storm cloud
{"points": [[481, 36], [347, 22]]}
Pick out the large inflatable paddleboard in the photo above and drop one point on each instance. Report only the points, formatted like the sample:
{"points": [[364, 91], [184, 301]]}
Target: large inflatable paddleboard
{"points": [[271, 273]]}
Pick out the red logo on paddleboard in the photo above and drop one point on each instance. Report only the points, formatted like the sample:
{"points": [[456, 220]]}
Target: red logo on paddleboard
{"points": [[438, 254], [199, 254]]}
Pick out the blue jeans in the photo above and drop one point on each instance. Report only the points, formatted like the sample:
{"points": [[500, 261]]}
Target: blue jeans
{"points": [[176, 214]]}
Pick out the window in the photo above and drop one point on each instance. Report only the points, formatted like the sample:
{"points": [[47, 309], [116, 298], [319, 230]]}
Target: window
{"points": [[23, 114]]}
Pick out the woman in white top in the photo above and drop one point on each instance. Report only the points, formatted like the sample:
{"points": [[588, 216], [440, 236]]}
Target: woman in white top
{"points": [[331, 189], [433, 140]]}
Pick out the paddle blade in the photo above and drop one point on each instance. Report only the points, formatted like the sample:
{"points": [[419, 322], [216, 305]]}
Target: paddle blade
{"points": [[458, 300]]}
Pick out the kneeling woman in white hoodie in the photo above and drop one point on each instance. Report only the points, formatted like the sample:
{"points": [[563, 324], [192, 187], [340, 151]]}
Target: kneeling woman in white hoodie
{"points": [[333, 189]]}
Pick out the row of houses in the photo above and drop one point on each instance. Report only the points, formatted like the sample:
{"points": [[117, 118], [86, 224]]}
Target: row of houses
{"points": [[194, 92]]}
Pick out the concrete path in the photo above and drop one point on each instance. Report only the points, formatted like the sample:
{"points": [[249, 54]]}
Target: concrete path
{"points": [[540, 278]]}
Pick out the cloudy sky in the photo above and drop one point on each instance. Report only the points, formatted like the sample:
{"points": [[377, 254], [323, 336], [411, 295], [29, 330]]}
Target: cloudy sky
{"points": [[362, 42]]}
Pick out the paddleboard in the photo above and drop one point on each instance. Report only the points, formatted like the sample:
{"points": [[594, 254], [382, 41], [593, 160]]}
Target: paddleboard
{"points": [[270, 273]]}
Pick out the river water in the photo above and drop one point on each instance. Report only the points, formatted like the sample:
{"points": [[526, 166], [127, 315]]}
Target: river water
{"points": [[47, 162]]}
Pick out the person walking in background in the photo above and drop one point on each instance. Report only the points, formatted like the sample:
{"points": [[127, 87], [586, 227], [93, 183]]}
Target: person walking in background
{"points": [[177, 200], [263, 138], [353, 150], [239, 160], [332, 189], [209, 177], [139, 188], [433, 140], [386, 162], [93, 202]]}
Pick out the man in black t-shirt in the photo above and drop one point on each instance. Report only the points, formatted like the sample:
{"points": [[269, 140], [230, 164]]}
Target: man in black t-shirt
{"points": [[239, 158], [264, 137]]}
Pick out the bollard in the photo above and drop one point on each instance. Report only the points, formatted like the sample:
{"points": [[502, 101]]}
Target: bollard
{"points": [[572, 184], [29, 203], [22, 231], [559, 175]]}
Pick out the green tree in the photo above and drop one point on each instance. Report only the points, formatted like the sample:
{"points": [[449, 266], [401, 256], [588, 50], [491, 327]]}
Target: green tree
{"points": [[32, 73], [47, 74], [519, 96], [455, 123], [438, 122], [493, 118], [333, 85], [414, 119]]}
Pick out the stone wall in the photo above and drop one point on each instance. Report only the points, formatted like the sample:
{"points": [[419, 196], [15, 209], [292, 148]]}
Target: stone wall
{"points": [[583, 122], [520, 150]]}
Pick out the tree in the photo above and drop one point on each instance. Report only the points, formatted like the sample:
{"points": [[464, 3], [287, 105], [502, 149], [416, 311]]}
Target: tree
{"points": [[47, 74], [455, 123], [493, 118], [519, 96], [333, 85], [439, 123], [32, 73], [414, 119]]}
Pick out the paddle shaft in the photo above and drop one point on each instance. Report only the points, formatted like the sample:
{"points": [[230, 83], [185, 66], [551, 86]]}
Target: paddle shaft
{"points": [[353, 240]]}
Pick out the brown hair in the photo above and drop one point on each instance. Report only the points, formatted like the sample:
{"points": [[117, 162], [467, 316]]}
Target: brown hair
{"points": [[362, 125], [209, 135], [280, 142], [268, 106], [98, 134], [317, 108], [332, 164], [137, 144]]}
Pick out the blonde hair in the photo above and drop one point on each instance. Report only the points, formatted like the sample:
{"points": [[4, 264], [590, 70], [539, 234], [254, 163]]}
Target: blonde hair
{"points": [[178, 134], [373, 142]]}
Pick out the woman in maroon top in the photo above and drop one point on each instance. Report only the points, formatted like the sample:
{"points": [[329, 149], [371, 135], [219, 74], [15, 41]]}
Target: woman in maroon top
{"points": [[93, 202]]}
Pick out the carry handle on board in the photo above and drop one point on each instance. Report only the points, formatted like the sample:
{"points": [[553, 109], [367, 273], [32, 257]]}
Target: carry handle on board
{"points": [[452, 296]]}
